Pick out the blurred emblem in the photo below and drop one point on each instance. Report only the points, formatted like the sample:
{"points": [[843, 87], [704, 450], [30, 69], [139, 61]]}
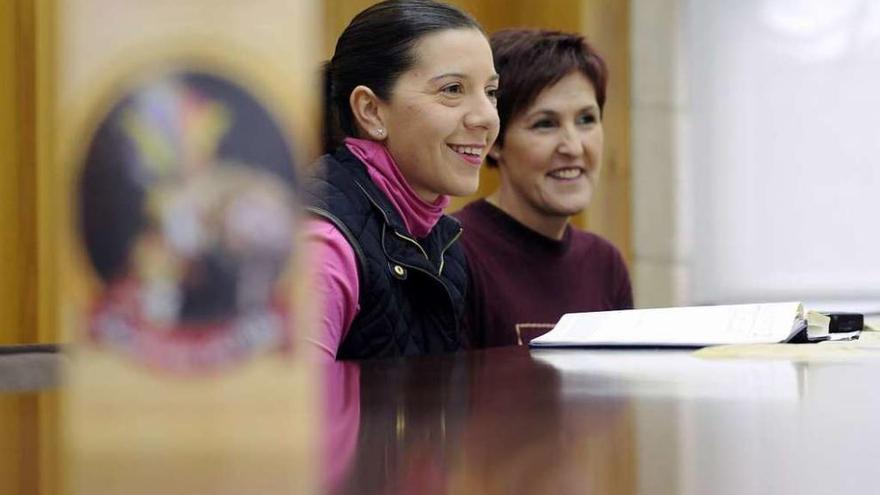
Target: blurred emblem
{"points": [[186, 209]]}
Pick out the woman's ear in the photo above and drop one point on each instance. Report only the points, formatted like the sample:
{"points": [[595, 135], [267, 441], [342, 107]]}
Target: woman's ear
{"points": [[365, 107]]}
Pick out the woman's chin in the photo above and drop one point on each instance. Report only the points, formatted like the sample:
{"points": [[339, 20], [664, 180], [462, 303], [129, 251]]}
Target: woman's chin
{"points": [[568, 208], [463, 189]]}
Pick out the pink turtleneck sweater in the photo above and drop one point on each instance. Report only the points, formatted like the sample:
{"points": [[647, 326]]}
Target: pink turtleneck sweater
{"points": [[335, 274]]}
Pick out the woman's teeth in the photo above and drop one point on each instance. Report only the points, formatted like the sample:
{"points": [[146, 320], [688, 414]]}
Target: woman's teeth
{"points": [[566, 173], [466, 150]]}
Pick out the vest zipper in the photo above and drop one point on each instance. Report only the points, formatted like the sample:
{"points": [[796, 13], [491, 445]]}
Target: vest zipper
{"points": [[448, 245], [426, 272], [415, 243], [398, 234]]}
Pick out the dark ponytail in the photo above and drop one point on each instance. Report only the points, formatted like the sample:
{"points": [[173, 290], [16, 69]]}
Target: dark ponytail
{"points": [[374, 50]]}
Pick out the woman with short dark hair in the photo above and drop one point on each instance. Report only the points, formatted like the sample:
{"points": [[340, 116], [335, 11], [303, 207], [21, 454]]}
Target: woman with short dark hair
{"points": [[528, 265], [410, 117]]}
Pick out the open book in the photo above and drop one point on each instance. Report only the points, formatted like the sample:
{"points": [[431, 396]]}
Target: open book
{"points": [[696, 326]]}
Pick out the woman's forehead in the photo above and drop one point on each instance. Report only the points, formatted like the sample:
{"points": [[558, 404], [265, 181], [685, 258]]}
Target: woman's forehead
{"points": [[463, 52], [575, 89]]}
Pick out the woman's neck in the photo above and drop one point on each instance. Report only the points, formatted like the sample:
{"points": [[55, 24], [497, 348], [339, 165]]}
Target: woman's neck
{"points": [[546, 225], [419, 216]]}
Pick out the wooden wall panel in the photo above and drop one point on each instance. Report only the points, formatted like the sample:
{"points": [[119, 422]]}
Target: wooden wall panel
{"points": [[606, 24], [48, 201], [28, 422], [18, 208], [9, 209], [26, 208]]}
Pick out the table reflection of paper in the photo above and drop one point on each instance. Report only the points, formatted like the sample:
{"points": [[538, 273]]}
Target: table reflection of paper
{"points": [[671, 374]]}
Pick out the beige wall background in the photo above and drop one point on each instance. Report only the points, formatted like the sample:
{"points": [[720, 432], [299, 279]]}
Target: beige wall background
{"points": [[662, 254]]}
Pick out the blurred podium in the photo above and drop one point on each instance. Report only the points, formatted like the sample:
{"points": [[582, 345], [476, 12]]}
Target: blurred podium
{"points": [[180, 126]]}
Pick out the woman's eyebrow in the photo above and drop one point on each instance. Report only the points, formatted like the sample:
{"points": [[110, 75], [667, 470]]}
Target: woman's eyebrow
{"points": [[553, 113], [448, 74], [542, 111], [492, 78]]}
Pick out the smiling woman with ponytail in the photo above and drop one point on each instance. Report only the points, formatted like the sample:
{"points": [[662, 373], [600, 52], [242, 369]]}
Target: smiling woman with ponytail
{"points": [[409, 117]]}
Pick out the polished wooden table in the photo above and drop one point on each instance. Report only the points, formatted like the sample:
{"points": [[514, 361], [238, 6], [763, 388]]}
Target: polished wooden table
{"points": [[510, 420]]}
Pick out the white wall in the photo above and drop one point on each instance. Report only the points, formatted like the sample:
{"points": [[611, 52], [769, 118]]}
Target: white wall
{"points": [[756, 157]]}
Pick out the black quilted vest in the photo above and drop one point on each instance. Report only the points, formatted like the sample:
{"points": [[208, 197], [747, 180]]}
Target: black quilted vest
{"points": [[411, 292]]}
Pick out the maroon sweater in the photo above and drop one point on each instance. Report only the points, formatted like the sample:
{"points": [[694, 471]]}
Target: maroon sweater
{"points": [[522, 282]]}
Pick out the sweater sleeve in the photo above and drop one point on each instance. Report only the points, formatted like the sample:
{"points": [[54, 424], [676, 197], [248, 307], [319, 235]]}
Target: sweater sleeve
{"points": [[335, 279], [624, 293]]}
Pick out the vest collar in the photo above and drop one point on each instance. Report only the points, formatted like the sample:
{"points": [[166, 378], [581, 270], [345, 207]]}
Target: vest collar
{"points": [[447, 226]]}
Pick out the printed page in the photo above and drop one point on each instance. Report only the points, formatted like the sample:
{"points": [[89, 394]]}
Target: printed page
{"points": [[686, 326]]}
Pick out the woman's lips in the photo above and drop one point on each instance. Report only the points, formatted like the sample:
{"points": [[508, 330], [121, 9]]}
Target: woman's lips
{"points": [[472, 154], [567, 173]]}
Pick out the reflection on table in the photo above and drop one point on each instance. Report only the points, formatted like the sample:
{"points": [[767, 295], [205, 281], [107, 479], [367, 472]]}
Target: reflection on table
{"points": [[509, 420], [486, 422]]}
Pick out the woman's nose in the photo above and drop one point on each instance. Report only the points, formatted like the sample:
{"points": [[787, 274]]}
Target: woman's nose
{"points": [[570, 142], [482, 114]]}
